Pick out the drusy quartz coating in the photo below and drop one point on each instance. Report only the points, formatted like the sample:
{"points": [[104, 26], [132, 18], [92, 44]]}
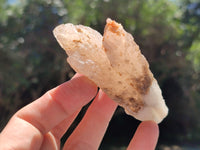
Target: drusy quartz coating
{"points": [[115, 63]]}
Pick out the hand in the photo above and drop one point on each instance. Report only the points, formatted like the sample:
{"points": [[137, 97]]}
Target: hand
{"points": [[41, 124]]}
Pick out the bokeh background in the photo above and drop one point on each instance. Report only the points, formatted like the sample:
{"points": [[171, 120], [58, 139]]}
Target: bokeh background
{"points": [[167, 31]]}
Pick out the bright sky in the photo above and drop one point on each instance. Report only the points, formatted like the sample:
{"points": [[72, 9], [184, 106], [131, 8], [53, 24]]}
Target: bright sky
{"points": [[12, 1]]}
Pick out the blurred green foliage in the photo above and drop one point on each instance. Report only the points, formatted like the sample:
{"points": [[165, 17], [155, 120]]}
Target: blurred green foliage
{"points": [[168, 32]]}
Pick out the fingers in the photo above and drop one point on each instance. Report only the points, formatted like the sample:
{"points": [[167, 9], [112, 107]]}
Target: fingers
{"points": [[145, 137], [58, 104], [47, 112], [61, 128], [52, 139], [91, 129]]}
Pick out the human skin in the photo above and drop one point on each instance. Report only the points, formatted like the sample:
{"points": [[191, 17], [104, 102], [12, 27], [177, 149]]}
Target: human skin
{"points": [[41, 124]]}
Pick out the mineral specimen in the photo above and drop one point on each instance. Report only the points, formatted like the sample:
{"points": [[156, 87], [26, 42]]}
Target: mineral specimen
{"points": [[115, 63]]}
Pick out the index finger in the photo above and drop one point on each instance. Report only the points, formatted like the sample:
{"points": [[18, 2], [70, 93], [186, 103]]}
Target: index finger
{"points": [[45, 113], [58, 103]]}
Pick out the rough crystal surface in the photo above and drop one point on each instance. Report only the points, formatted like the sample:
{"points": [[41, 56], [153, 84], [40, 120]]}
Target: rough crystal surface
{"points": [[115, 63]]}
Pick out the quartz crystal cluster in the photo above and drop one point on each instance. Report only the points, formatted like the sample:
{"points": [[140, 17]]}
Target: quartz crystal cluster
{"points": [[115, 63]]}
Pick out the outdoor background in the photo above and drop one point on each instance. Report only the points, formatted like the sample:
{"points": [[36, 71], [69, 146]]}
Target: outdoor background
{"points": [[167, 31]]}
